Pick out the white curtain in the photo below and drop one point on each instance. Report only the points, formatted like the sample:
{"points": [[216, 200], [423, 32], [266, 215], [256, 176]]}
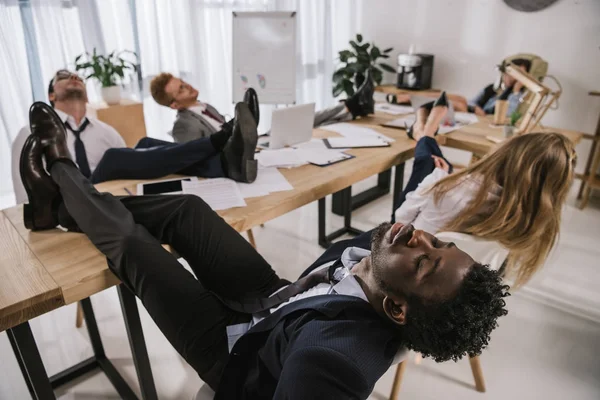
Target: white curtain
{"points": [[15, 94], [192, 39]]}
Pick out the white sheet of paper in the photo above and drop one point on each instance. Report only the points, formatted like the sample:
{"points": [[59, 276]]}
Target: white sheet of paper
{"points": [[393, 109], [344, 142], [279, 158], [354, 131], [218, 193], [249, 190], [402, 121], [465, 118], [271, 180], [316, 144]]}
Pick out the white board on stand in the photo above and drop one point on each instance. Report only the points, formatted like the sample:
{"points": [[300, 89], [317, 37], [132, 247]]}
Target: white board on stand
{"points": [[264, 56]]}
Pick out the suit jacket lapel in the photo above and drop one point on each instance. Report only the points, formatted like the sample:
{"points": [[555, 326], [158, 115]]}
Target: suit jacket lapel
{"points": [[329, 305], [185, 113]]}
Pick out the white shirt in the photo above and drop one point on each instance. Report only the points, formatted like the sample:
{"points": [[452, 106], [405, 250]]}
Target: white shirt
{"points": [[97, 138], [420, 209], [346, 285], [199, 109]]}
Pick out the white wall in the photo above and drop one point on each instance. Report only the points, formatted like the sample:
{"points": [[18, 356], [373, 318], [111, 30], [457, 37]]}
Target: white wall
{"points": [[469, 37]]}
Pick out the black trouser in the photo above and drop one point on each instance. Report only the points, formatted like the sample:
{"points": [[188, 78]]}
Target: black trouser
{"points": [[153, 158], [129, 232], [422, 166]]}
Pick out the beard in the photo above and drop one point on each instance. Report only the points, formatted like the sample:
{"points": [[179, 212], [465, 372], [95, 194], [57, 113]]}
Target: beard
{"points": [[377, 259], [72, 93]]}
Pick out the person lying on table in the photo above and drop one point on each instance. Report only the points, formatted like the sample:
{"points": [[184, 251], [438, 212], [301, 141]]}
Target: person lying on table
{"points": [[101, 154], [196, 119], [485, 101], [331, 335], [514, 196]]}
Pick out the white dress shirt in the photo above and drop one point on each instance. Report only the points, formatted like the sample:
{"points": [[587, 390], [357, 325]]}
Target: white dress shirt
{"points": [[97, 138], [346, 285], [200, 109], [420, 209]]}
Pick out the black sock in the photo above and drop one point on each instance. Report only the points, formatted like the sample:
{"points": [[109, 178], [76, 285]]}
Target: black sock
{"points": [[219, 139]]}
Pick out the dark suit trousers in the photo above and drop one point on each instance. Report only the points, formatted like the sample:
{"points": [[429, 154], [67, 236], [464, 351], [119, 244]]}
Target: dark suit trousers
{"points": [[422, 166], [129, 232], [153, 158]]}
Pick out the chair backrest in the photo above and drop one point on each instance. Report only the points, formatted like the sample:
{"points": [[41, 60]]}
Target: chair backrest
{"points": [[483, 251]]}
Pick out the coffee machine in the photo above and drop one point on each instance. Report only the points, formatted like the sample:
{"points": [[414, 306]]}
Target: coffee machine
{"points": [[415, 71]]}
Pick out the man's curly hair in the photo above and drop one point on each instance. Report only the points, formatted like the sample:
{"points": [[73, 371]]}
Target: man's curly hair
{"points": [[449, 329]]}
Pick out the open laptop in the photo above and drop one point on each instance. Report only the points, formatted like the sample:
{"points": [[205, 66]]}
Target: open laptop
{"points": [[290, 126]]}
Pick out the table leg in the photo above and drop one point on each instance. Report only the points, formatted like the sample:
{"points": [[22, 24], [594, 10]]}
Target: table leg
{"points": [[137, 342], [398, 187], [383, 187], [325, 240], [29, 359]]}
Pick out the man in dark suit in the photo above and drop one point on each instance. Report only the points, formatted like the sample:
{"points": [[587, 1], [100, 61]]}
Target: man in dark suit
{"points": [[196, 119], [248, 333]]}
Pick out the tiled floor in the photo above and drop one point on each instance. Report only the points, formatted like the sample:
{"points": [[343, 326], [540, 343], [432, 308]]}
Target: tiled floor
{"points": [[548, 347]]}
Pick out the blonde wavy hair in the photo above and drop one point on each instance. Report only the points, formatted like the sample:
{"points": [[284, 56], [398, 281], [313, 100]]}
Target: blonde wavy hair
{"points": [[535, 172]]}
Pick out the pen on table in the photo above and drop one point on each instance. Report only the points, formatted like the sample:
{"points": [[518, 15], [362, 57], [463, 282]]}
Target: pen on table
{"points": [[128, 191]]}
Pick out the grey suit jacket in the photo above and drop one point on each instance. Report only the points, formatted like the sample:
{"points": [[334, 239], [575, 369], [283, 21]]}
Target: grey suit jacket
{"points": [[190, 126]]}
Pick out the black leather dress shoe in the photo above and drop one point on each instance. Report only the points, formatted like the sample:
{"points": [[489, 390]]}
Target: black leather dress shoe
{"points": [[361, 103], [251, 98], [238, 154], [44, 196], [47, 126]]}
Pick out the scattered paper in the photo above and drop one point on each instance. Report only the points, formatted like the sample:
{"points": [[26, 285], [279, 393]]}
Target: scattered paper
{"points": [[356, 142], [283, 158], [271, 180], [316, 144], [393, 109], [402, 122], [249, 190], [465, 118], [355, 131], [218, 193]]}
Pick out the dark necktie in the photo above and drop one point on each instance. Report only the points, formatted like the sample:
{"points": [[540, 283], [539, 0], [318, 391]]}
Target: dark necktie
{"points": [[211, 115], [259, 305], [80, 154]]}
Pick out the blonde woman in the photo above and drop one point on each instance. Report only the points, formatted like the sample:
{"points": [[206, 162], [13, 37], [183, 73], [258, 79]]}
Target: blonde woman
{"points": [[514, 196]]}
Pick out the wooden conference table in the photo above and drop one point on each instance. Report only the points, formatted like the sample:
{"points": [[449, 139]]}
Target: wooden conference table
{"points": [[42, 271]]}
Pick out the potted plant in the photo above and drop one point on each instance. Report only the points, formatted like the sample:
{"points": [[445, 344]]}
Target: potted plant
{"points": [[509, 129], [109, 70], [355, 63]]}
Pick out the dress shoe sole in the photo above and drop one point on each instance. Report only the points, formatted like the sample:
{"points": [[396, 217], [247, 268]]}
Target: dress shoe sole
{"points": [[37, 215], [248, 166]]}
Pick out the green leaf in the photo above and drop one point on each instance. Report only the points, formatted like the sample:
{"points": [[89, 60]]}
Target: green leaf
{"points": [[377, 75], [345, 55], [354, 45], [375, 53], [388, 50], [338, 76], [348, 87], [359, 37], [387, 67], [384, 56], [337, 90]]}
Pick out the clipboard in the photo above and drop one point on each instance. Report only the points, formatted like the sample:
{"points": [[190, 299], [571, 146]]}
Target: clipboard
{"points": [[334, 161], [349, 145]]}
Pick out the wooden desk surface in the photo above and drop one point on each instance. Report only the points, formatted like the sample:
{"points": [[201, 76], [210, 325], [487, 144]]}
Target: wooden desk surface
{"points": [[472, 137], [41, 271], [26, 288], [78, 270]]}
